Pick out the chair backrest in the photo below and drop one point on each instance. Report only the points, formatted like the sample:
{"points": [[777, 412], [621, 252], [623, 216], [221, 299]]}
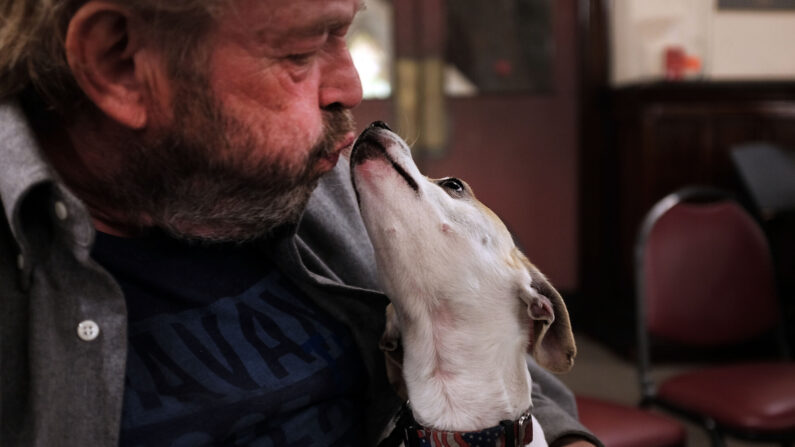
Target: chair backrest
{"points": [[705, 275]]}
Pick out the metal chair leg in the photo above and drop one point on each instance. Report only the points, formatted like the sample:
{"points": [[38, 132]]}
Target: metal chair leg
{"points": [[716, 439], [715, 436]]}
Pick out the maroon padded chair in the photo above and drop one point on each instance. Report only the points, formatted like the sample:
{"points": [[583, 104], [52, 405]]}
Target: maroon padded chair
{"points": [[705, 278], [618, 425]]}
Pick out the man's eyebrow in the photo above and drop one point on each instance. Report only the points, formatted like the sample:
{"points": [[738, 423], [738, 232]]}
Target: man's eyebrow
{"points": [[316, 28], [322, 26]]}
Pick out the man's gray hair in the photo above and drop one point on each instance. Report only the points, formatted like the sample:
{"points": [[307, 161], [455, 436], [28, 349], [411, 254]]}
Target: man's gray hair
{"points": [[32, 34]]}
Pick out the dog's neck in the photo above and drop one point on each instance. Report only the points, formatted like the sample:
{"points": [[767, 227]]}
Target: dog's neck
{"points": [[473, 374]]}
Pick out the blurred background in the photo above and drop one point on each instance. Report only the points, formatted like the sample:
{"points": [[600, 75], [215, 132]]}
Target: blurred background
{"points": [[572, 118]]}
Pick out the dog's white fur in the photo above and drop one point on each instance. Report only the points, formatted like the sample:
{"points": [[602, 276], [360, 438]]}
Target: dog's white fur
{"points": [[467, 304]]}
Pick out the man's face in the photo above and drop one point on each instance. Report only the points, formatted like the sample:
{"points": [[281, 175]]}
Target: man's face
{"points": [[250, 134], [277, 64]]}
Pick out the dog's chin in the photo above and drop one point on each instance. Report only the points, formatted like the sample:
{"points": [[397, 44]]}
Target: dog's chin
{"points": [[370, 144], [366, 149], [371, 159]]}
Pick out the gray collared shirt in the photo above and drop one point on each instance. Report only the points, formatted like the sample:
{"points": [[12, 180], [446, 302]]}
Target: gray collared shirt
{"points": [[56, 387]]}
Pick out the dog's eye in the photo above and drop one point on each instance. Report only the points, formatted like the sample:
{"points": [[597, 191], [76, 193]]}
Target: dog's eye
{"points": [[453, 184]]}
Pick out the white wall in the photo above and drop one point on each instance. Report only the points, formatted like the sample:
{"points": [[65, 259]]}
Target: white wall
{"points": [[758, 45], [730, 44]]}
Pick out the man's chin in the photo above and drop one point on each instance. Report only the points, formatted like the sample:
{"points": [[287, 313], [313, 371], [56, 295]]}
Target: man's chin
{"points": [[231, 233], [237, 219], [327, 163]]}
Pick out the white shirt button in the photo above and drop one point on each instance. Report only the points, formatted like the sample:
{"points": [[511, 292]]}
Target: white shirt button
{"points": [[60, 210], [87, 330]]}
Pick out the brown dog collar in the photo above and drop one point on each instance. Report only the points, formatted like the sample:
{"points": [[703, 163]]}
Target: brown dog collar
{"points": [[507, 434]]}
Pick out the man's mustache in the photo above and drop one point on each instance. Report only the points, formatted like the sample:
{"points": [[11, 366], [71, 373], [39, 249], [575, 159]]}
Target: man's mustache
{"points": [[337, 124]]}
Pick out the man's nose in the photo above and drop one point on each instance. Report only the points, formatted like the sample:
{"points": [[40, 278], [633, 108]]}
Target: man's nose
{"points": [[340, 85]]}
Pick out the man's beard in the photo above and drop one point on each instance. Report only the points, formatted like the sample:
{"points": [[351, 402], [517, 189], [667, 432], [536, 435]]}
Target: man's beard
{"points": [[208, 178]]}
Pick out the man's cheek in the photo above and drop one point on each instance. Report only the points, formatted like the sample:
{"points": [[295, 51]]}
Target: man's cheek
{"points": [[306, 122], [297, 130]]}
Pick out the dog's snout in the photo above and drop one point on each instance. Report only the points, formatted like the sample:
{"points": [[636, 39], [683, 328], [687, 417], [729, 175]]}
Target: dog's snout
{"points": [[379, 124]]}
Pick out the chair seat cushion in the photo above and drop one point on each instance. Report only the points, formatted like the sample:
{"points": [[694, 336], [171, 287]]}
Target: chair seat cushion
{"points": [[619, 425], [757, 396]]}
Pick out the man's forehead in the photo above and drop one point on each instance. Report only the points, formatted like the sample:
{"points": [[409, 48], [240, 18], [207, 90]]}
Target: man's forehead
{"points": [[298, 17]]}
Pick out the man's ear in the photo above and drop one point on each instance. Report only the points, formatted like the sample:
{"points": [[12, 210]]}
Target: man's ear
{"points": [[106, 50]]}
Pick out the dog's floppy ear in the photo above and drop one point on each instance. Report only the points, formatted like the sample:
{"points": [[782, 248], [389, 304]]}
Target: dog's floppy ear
{"points": [[552, 342]]}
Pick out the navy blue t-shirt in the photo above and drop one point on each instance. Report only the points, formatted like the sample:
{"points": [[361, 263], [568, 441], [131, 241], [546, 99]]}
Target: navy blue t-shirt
{"points": [[225, 350]]}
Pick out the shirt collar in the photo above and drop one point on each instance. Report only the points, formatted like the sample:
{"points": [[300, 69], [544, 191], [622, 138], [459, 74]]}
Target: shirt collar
{"points": [[23, 169], [22, 165]]}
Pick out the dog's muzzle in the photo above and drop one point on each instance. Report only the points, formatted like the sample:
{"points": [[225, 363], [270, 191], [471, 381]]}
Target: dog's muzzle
{"points": [[372, 144], [369, 145]]}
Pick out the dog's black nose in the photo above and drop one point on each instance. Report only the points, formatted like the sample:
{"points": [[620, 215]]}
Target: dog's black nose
{"points": [[380, 124]]}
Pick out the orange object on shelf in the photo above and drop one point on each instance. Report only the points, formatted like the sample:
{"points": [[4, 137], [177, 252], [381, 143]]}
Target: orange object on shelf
{"points": [[678, 63]]}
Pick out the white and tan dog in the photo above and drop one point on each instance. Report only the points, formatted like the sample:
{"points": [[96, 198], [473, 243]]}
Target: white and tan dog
{"points": [[468, 305]]}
